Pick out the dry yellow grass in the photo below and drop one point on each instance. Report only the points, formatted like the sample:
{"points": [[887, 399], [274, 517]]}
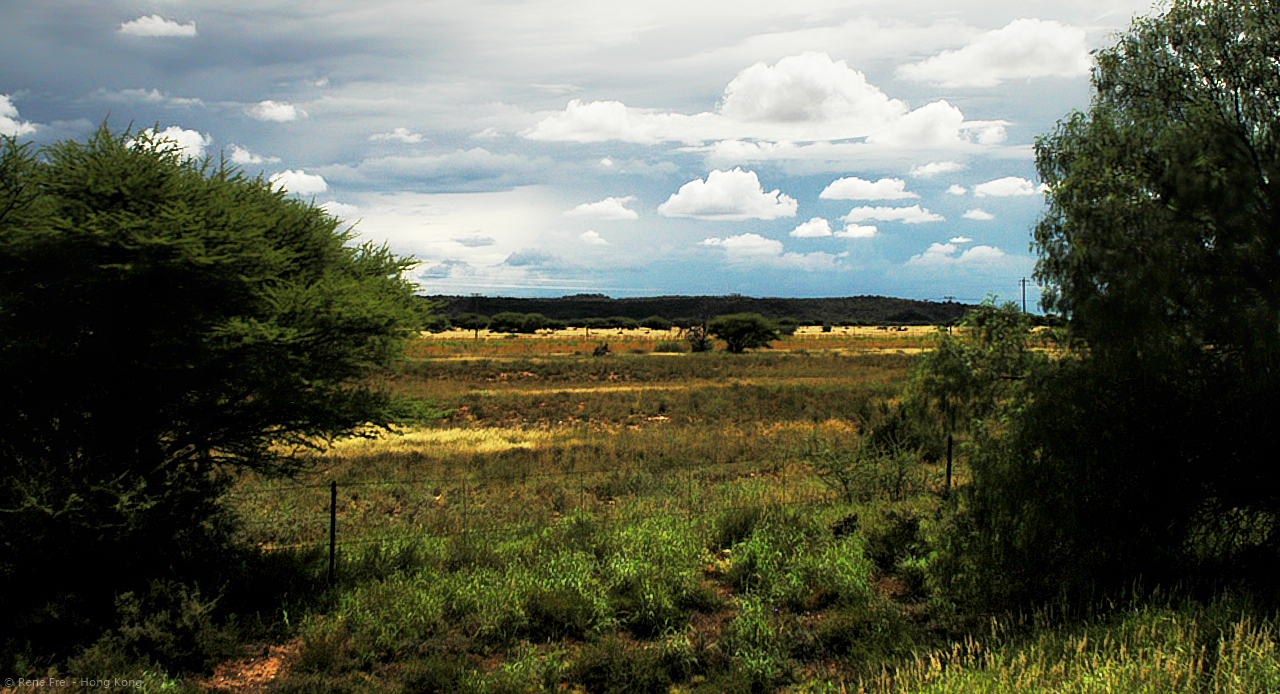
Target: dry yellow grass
{"points": [[480, 440]]}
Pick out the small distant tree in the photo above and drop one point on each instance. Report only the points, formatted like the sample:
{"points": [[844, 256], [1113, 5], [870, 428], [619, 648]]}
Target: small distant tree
{"points": [[437, 323], [471, 321], [533, 322], [507, 322], [623, 323], [656, 323], [788, 326], [743, 331], [595, 324], [696, 336]]}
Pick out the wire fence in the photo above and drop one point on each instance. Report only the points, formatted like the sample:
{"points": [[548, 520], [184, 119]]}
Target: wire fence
{"points": [[348, 513]]}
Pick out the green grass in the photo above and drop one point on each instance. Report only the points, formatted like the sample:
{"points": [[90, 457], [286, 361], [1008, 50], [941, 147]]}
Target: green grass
{"points": [[656, 523]]}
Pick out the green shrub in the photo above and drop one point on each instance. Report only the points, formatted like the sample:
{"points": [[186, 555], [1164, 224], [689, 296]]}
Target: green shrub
{"points": [[613, 666], [793, 563], [671, 347]]}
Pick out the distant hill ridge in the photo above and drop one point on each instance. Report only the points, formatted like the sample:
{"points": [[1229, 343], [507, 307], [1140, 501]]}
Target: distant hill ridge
{"points": [[865, 310]]}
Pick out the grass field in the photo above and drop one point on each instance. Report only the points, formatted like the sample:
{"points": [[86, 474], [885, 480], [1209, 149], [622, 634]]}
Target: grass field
{"points": [[653, 522]]}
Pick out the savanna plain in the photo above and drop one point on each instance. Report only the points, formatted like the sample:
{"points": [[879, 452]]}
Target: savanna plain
{"points": [[553, 516]]}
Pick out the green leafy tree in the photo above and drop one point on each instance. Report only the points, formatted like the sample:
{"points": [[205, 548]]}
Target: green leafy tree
{"points": [[968, 376], [533, 322], [163, 323], [471, 321], [1162, 238], [743, 331], [506, 322], [656, 323], [1144, 455]]}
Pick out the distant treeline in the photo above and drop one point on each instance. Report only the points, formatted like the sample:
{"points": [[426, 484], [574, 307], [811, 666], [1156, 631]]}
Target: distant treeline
{"points": [[852, 310]]}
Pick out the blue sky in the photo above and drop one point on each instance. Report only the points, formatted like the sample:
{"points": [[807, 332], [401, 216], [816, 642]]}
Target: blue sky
{"points": [[547, 147]]}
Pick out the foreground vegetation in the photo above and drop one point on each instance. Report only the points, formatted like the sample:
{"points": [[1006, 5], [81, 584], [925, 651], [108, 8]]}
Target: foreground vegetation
{"points": [[637, 523]]}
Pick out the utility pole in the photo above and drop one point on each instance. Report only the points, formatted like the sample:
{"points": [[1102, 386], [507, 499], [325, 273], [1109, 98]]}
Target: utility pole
{"points": [[1024, 294]]}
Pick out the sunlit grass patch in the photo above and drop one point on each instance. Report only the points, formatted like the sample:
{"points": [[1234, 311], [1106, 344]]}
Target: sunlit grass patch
{"points": [[438, 441]]}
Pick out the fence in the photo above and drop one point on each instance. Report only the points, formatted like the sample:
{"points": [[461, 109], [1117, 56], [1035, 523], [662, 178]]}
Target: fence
{"points": [[338, 513]]}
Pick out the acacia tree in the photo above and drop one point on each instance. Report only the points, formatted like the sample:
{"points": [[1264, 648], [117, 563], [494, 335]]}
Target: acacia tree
{"points": [[1147, 455], [164, 322], [742, 331], [471, 321]]}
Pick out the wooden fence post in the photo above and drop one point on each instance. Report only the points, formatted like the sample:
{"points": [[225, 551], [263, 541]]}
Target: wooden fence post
{"points": [[948, 492], [333, 526]]}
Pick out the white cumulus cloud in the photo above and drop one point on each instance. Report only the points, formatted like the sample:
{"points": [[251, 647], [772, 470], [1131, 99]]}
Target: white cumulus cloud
{"points": [[191, 143], [596, 121], [728, 195], [155, 25], [1009, 186], [609, 208], [957, 189], [949, 255], [275, 111], [979, 215], [399, 135], [854, 188], [1022, 49], [747, 244], [908, 215], [592, 238], [754, 249], [857, 231], [961, 239], [299, 182], [9, 123], [807, 88], [812, 229], [802, 98], [242, 156], [935, 168], [340, 210]]}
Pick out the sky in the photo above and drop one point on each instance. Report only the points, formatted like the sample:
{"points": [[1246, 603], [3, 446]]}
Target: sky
{"points": [[547, 147]]}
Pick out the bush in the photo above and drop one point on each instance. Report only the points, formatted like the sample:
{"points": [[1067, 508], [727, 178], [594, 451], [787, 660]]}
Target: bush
{"points": [[671, 347]]}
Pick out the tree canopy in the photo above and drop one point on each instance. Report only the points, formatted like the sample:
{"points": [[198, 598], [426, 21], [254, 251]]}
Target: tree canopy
{"points": [[742, 331], [1163, 230], [1143, 456], [162, 321]]}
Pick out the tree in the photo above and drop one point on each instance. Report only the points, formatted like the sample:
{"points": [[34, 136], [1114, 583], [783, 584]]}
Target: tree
{"points": [[1163, 231], [532, 323], [506, 322], [742, 331], [1145, 455], [163, 323], [471, 321], [656, 323]]}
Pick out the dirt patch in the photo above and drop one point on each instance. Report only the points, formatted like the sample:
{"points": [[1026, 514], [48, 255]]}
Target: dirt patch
{"points": [[252, 675]]}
